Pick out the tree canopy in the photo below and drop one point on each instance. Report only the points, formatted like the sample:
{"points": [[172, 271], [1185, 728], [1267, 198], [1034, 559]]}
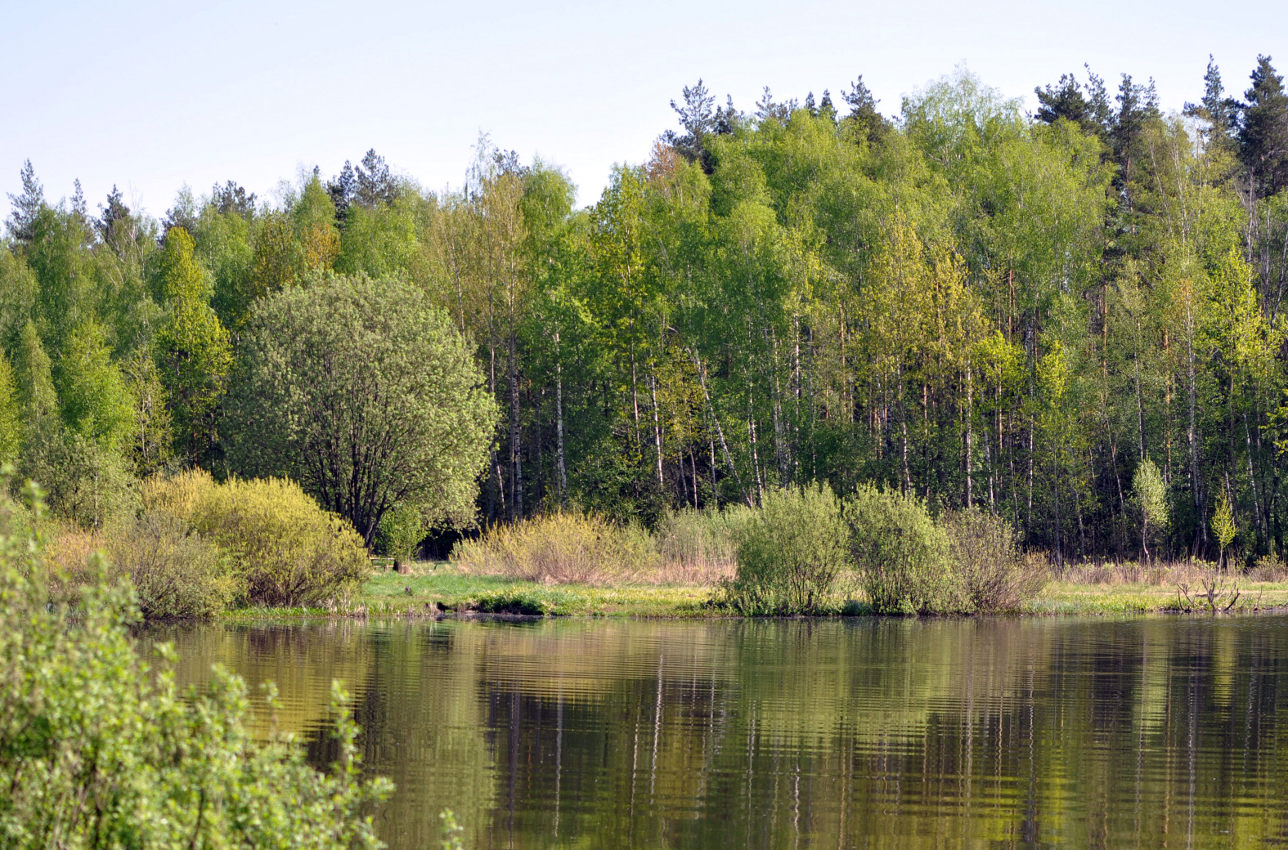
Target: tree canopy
{"points": [[364, 393], [1026, 314]]}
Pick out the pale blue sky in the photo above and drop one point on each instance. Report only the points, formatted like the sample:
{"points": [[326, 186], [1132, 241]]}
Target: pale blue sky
{"points": [[152, 95]]}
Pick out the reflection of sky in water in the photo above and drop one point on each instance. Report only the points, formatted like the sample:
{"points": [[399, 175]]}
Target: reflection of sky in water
{"points": [[894, 733]]}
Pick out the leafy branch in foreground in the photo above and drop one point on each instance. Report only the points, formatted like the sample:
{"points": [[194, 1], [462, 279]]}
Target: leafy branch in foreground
{"points": [[100, 749]]}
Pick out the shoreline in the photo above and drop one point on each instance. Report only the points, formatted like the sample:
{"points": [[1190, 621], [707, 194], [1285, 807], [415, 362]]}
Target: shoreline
{"points": [[445, 594]]}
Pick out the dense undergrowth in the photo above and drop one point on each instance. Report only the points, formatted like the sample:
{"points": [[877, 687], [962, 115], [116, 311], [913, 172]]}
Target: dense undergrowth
{"points": [[100, 748], [792, 554], [198, 547]]}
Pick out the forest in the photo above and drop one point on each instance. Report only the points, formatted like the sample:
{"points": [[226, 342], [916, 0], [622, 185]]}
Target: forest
{"points": [[1073, 319]]}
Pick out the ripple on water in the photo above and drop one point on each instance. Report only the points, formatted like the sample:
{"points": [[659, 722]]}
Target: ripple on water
{"points": [[859, 733]]}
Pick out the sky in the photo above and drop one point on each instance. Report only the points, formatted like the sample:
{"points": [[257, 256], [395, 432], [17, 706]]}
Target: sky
{"points": [[150, 96]]}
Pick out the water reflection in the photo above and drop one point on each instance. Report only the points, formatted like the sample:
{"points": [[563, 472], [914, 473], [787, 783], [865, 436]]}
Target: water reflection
{"points": [[1152, 732]]}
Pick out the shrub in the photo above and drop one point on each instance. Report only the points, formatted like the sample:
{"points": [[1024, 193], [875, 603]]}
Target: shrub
{"points": [[287, 550], [902, 556], [177, 574], [790, 553], [69, 552], [510, 601], [98, 749], [995, 575], [401, 529], [1268, 567], [701, 546], [559, 548]]}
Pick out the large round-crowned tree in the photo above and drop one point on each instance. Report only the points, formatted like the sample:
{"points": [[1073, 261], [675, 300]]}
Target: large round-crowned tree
{"points": [[367, 395]]}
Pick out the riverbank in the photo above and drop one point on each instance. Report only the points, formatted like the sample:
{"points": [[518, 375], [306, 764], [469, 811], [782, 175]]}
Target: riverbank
{"points": [[435, 590]]}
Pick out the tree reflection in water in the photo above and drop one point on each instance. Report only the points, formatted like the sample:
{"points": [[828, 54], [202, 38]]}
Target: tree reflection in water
{"points": [[881, 733]]}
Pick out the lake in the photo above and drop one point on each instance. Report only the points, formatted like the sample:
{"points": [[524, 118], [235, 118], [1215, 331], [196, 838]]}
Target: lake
{"points": [[781, 734]]}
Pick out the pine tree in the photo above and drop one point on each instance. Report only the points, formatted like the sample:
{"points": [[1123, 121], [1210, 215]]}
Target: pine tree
{"points": [[863, 112], [1221, 112], [1263, 133], [26, 206]]}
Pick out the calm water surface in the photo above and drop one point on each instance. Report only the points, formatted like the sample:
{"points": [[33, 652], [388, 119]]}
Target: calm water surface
{"points": [[784, 734]]}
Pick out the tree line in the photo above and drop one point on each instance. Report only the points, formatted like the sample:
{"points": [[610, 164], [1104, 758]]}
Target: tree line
{"points": [[1072, 319]]}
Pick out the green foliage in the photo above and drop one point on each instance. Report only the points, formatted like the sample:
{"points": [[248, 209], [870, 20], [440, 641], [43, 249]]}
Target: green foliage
{"points": [[559, 548], [176, 573], [286, 550], [34, 377], [790, 553], [99, 748], [1149, 493], [511, 601], [364, 393], [401, 529], [995, 576], [10, 414], [903, 557], [151, 445], [86, 482], [1223, 524], [95, 398], [18, 290], [451, 831], [192, 348]]}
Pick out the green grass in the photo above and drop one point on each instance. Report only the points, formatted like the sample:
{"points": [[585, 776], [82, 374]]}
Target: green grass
{"points": [[1076, 598], [443, 589], [436, 589]]}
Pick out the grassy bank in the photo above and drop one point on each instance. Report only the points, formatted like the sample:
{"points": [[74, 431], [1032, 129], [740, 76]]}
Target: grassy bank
{"points": [[431, 590]]}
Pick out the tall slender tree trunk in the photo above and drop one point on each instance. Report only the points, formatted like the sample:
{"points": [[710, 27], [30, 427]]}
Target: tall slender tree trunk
{"points": [[1191, 435], [903, 432], [657, 425], [755, 451], [724, 445], [715, 489], [693, 464], [559, 426], [970, 433], [516, 454], [635, 396]]}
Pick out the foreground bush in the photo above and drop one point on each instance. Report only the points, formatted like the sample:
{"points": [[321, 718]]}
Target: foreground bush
{"points": [[701, 546], [286, 550], [559, 548], [903, 557], [99, 750], [790, 553], [995, 575]]}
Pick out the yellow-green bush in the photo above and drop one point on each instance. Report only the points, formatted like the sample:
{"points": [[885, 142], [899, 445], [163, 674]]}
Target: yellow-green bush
{"points": [[901, 554], [790, 553], [559, 548], [177, 574], [287, 550]]}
